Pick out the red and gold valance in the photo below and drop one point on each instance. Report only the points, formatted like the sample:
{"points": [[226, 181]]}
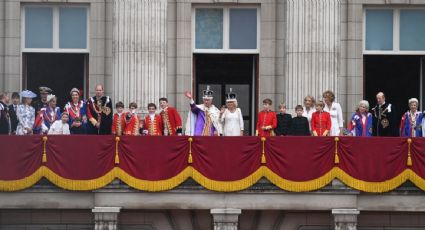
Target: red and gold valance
{"points": [[224, 164]]}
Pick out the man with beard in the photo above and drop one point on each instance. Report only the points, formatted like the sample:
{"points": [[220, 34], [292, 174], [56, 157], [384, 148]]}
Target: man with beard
{"points": [[99, 113]]}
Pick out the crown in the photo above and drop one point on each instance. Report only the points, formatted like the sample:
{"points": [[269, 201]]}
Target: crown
{"points": [[231, 96], [208, 93]]}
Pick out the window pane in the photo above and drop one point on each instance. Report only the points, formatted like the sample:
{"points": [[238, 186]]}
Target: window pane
{"points": [[243, 28], [412, 30], [209, 29], [72, 28], [379, 29], [38, 27]]}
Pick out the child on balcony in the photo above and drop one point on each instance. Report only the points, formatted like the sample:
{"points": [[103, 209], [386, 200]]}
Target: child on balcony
{"points": [[266, 120], [153, 124], [60, 126], [299, 126], [284, 121], [131, 121], [320, 121]]}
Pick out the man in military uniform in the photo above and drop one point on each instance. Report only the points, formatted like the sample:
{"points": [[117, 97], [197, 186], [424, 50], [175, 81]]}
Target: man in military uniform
{"points": [[384, 123], [42, 102], [99, 113]]}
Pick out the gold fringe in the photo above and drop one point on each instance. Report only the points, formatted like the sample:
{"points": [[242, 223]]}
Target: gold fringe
{"points": [[228, 186], [117, 159], [16, 185], [190, 159], [79, 185], [299, 186], [336, 160], [375, 187], [154, 186], [417, 180], [263, 155], [409, 158], [44, 157]]}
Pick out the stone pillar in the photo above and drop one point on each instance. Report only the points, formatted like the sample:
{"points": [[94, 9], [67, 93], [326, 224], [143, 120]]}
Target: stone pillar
{"points": [[345, 219], [139, 51], [106, 218], [226, 219], [312, 49]]}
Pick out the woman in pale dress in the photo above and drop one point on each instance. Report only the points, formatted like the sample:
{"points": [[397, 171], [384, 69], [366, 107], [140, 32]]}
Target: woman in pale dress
{"points": [[308, 108], [335, 111], [25, 114], [231, 117]]}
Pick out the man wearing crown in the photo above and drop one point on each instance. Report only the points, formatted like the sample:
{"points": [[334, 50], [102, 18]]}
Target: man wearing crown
{"points": [[203, 120], [99, 113]]}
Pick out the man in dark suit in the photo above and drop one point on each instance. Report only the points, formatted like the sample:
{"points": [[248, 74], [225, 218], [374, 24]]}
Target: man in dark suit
{"points": [[12, 112], [4, 114], [384, 123]]}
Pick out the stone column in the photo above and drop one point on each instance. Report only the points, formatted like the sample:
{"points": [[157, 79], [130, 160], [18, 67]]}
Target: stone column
{"points": [[106, 218], [312, 49], [139, 51], [345, 219], [226, 219]]}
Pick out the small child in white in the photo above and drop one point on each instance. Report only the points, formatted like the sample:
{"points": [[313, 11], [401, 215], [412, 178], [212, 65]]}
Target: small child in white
{"points": [[60, 126]]}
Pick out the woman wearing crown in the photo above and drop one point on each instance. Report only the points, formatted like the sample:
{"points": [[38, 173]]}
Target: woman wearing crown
{"points": [[231, 117], [76, 108], [203, 120]]}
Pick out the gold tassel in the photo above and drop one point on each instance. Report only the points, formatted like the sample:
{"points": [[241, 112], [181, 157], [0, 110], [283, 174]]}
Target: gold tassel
{"points": [[190, 160], [117, 159], [263, 155], [336, 160], [409, 158], [44, 158]]}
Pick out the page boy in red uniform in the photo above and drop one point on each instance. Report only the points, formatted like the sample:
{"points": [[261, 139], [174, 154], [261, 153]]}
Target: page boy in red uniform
{"points": [[267, 121]]}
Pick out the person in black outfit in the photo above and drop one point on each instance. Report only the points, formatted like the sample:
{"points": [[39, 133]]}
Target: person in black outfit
{"points": [[384, 122], [4, 114], [284, 121], [12, 112], [300, 125], [99, 113], [79, 128]]}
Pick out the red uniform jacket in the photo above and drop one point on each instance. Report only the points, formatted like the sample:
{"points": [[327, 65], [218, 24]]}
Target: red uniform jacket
{"points": [[131, 124], [153, 127], [266, 123], [320, 122], [118, 124], [171, 121]]}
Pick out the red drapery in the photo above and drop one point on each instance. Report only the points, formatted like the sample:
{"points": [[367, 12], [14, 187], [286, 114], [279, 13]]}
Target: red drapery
{"points": [[217, 163]]}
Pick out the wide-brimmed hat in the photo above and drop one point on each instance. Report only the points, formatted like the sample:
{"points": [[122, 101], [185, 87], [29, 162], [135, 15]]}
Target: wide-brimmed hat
{"points": [[27, 94]]}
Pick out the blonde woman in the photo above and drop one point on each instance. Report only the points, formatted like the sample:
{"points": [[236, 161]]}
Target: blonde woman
{"points": [[231, 117]]}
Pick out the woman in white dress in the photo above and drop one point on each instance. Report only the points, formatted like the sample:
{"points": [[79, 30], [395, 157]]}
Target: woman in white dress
{"points": [[309, 109], [335, 111], [231, 117], [25, 113]]}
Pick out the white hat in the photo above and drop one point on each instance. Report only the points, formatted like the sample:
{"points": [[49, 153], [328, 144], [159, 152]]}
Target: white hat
{"points": [[50, 97]]}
